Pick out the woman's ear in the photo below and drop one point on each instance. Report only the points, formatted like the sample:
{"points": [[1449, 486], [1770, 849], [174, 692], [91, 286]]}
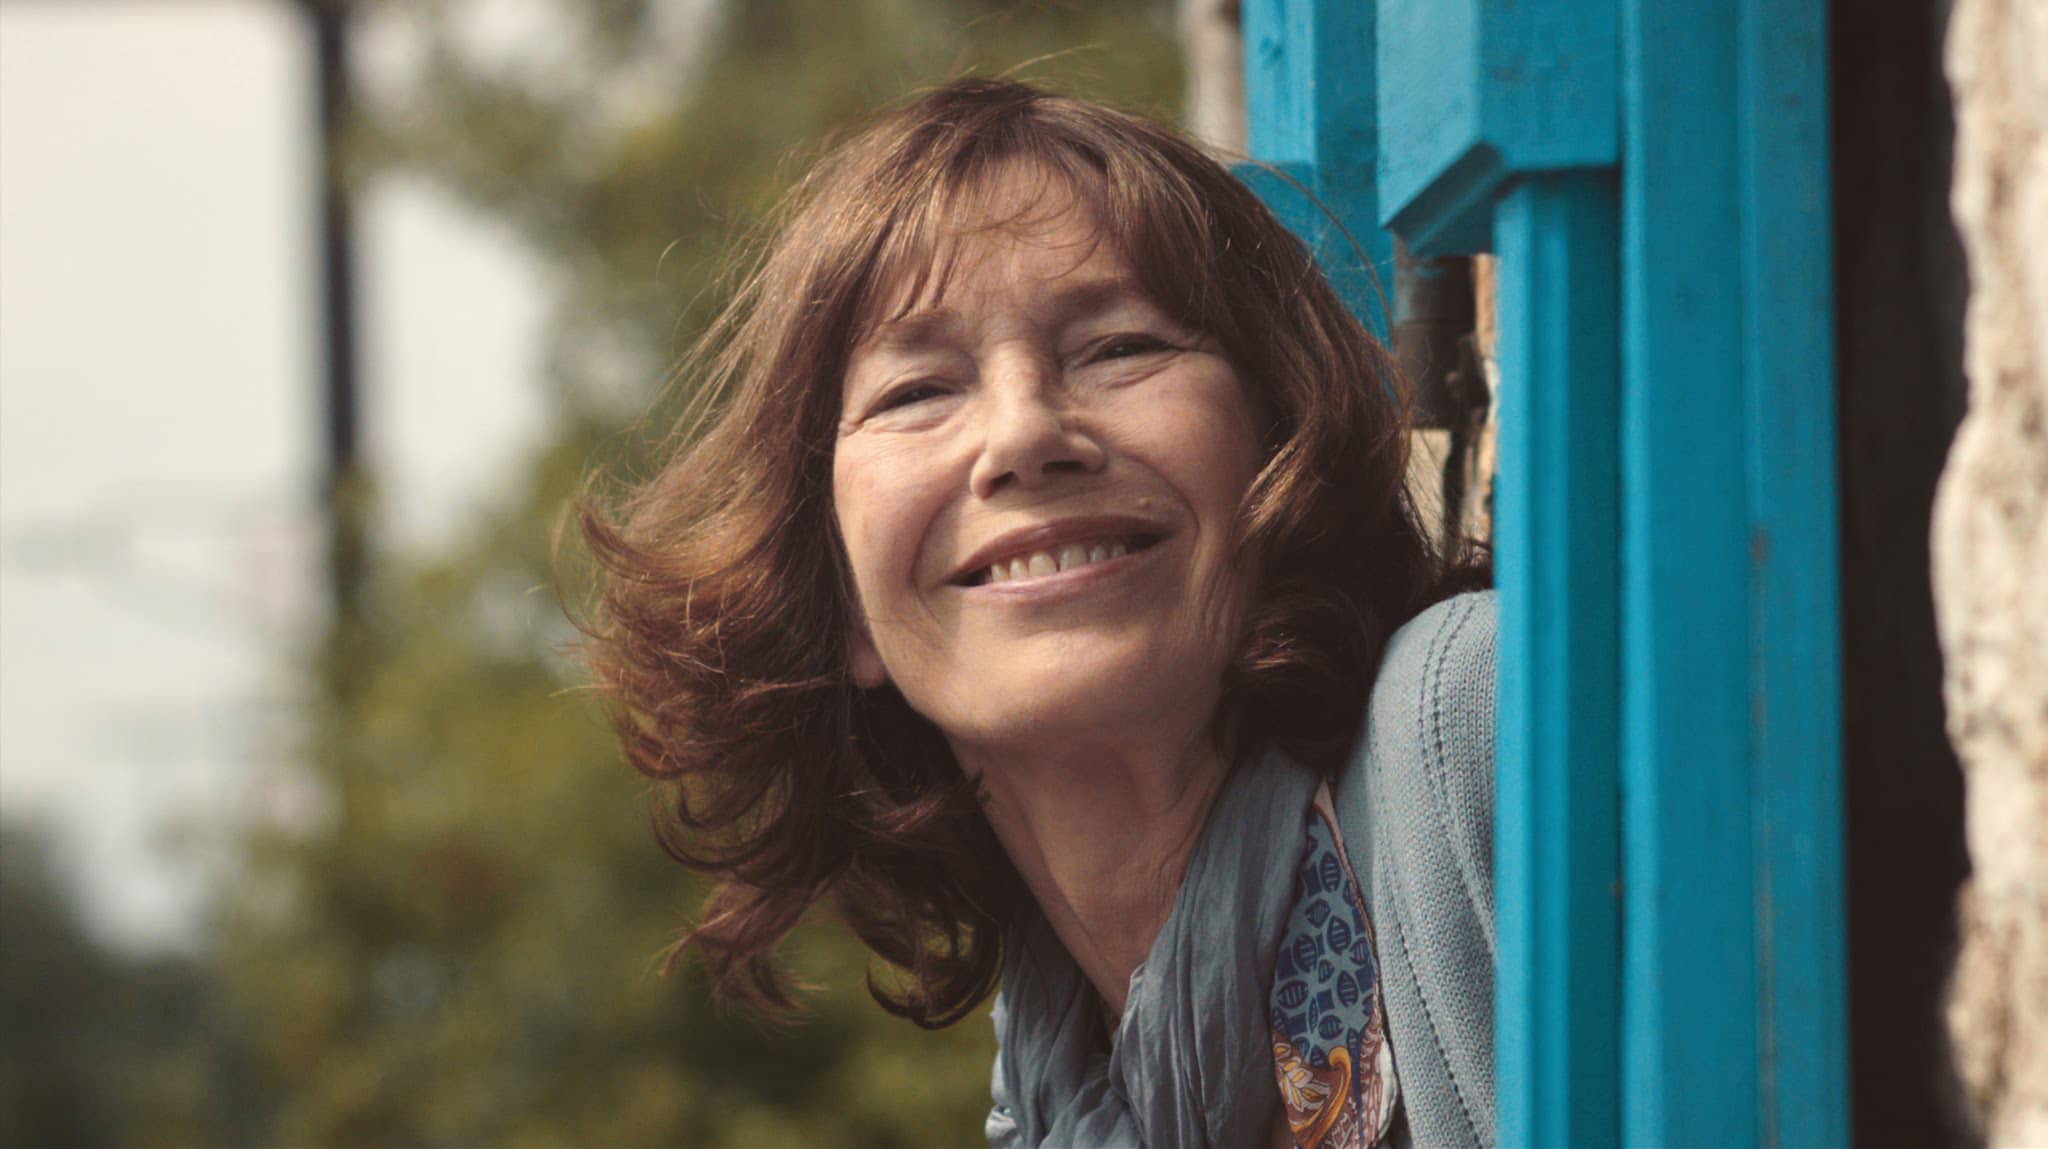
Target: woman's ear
{"points": [[863, 659]]}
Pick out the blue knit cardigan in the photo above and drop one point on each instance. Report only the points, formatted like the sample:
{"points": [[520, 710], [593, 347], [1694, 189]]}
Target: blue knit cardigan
{"points": [[1419, 789]]}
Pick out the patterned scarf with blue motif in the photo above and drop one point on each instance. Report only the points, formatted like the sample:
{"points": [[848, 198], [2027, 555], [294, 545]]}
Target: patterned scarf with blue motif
{"points": [[1260, 991]]}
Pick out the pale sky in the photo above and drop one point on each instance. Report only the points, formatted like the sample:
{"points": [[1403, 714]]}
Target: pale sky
{"points": [[158, 417]]}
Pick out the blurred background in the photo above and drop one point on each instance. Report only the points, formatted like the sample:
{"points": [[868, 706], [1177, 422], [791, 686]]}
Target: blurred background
{"points": [[313, 315]]}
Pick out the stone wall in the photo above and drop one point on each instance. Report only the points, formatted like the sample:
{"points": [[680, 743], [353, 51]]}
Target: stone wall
{"points": [[1991, 564]]}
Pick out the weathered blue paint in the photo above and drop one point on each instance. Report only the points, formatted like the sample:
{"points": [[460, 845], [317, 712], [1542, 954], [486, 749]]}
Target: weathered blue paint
{"points": [[1796, 717], [1689, 947], [1473, 93], [1429, 106], [1732, 820], [1309, 103], [1557, 530], [1279, 81]]}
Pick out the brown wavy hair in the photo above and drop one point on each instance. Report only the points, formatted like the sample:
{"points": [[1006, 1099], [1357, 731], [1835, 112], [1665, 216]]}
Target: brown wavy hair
{"points": [[720, 628]]}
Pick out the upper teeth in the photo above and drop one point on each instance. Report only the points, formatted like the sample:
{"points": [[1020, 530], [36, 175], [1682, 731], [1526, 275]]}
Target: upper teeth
{"points": [[1038, 564]]}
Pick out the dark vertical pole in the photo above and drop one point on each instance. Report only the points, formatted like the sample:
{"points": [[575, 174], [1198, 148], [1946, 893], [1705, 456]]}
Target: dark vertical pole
{"points": [[1435, 312], [1901, 280], [347, 547], [1434, 309]]}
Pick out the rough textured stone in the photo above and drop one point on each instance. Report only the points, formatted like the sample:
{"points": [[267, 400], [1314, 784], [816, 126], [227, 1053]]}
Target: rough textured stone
{"points": [[1991, 564]]}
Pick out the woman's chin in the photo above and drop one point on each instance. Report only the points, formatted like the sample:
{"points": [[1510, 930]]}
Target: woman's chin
{"points": [[1059, 710]]}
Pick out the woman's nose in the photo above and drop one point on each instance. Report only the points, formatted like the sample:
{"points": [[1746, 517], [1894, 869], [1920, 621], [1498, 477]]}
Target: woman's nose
{"points": [[1030, 437]]}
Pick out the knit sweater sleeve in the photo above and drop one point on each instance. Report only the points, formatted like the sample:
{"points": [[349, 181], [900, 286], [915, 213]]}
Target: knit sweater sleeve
{"points": [[1419, 791]]}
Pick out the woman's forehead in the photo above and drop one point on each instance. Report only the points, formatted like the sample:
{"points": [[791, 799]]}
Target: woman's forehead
{"points": [[1021, 202]]}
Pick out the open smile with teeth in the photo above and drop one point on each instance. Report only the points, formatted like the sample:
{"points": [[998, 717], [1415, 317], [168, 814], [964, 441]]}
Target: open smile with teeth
{"points": [[1053, 560]]}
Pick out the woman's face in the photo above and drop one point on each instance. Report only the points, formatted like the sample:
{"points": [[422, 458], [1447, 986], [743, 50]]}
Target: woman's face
{"points": [[1036, 477]]}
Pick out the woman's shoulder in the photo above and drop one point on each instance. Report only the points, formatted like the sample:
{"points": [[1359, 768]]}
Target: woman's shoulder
{"points": [[1427, 755], [1420, 783], [1419, 792], [1427, 748], [1431, 717]]}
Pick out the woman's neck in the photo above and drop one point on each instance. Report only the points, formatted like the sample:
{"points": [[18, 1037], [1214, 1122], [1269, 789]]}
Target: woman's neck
{"points": [[1102, 838]]}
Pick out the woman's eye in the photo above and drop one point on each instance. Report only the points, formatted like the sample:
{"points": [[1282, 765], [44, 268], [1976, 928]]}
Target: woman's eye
{"points": [[1127, 346], [908, 396]]}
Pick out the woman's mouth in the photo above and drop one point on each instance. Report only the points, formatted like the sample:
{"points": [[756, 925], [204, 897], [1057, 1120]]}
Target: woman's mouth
{"points": [[1049, 561]]}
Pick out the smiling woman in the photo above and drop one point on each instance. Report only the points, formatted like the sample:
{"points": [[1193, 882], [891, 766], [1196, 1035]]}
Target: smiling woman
{"points": [[1024, 599]]}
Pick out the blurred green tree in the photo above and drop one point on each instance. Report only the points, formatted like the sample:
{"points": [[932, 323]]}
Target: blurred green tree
{"points": [[50, 972], [454, 939], [100, 1046]]}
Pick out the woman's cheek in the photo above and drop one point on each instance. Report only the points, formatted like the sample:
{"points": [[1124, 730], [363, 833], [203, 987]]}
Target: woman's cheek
{"points": [[882, 523]]}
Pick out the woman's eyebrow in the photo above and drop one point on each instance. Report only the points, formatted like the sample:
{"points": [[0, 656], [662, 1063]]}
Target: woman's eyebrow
{"points": [[913, 332], [1093, 297]]}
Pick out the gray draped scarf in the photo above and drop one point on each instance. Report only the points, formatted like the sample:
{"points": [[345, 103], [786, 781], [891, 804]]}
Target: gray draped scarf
{"points": [[1192, 1062]]}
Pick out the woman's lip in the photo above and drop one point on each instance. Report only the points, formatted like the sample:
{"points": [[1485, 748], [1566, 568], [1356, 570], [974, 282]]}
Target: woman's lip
{"points": [[1051, 536]]}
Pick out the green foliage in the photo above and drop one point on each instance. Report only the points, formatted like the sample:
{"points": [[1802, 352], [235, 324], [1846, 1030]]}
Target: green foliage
{"points": [[458, 941]]}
